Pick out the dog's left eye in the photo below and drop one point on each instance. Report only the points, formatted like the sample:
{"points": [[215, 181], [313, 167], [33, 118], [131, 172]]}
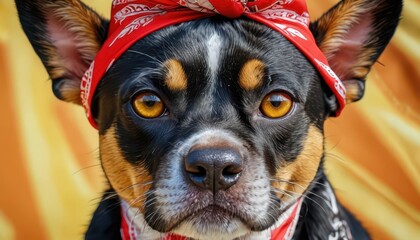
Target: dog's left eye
{"points": [[148, 105], [276, 105]]}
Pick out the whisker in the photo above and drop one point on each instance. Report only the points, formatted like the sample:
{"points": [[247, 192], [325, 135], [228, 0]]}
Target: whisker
{"points": [[111, 207], [309, 198], [86, 168], [333, 156], [286, 181], [272, 200], [134, 217], [147, 55], [282, 192], [303, 188], [115, 194]]}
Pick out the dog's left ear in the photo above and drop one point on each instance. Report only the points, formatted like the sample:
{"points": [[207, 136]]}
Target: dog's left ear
{"points": [[352, 35]]}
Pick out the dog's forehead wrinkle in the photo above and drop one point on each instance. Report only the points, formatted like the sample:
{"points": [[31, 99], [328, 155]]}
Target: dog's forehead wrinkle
{"points": [[208, 135], [211, 112], [130, 72], [287, 64]]}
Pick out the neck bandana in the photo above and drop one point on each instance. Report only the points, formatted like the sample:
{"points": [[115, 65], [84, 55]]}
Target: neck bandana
{"points": [[132, 20]]}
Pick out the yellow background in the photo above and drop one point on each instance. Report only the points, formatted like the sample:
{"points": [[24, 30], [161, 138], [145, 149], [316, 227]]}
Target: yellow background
{"points": [[50, 178]]}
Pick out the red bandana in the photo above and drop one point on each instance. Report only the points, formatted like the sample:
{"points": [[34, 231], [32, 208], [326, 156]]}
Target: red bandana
{"points": [[134, 19]]}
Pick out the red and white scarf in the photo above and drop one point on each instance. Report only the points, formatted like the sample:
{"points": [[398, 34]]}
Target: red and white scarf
{"points": [[132, 20]]}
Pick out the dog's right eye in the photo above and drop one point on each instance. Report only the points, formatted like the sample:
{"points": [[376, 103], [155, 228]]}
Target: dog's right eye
{"points": [[148, 105]]}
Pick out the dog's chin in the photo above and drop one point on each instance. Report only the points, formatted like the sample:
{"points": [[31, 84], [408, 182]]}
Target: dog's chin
{"points": [[211, 222]]}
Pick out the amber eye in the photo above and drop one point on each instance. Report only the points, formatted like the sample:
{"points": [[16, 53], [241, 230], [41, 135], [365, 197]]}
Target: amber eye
{"points": [[276, 105], [148, 105]]}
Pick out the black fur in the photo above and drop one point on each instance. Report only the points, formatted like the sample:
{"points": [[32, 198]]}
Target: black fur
{"points": [[106, 220]]}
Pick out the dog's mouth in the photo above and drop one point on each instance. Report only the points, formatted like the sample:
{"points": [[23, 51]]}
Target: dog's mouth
{"points": [[211, 219], [209, 215], [219, 218]]}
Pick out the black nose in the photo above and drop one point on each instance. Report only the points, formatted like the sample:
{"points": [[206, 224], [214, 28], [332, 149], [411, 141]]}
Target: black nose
{"points": [[213, 169]]}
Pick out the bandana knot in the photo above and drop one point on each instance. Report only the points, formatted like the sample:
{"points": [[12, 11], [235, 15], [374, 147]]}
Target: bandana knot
{"points": [[132, 20]]}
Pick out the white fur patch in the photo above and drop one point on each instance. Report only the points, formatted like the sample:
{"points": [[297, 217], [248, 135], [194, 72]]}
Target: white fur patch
{"points": [[214, 47]]}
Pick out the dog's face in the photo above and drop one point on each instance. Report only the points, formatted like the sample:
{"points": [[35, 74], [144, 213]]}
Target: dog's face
{"points": [[212, 127]]}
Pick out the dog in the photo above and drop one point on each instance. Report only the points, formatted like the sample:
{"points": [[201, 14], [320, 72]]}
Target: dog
{"points": [[212, 127]]}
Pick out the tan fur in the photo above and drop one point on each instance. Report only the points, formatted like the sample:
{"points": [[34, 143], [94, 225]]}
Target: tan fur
{"points": [[334, 27], [353, 90], [252, 74], [80, 25], [70, 91], [131, 182], [175, 78], [293, 178]]}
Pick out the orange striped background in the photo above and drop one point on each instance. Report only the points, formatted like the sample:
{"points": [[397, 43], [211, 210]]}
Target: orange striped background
{"points": [[49, 173]]}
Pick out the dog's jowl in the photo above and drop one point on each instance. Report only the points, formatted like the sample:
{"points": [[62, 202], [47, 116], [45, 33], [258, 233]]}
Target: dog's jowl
{"points": [[210, 114]]}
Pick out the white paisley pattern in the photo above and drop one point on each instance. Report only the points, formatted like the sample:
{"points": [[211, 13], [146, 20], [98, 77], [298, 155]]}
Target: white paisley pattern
{"points": [[85, 87]]}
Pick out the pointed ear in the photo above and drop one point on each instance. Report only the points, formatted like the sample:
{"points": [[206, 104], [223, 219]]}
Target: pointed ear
{"points": [[352, 35], [66, 35]]}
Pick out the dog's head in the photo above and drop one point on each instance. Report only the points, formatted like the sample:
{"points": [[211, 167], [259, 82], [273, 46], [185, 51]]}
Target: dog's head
{"points": [[213, 126]]}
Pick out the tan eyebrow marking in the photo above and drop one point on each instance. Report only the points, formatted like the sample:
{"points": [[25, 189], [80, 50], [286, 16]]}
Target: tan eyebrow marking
{"points": [[252, 74], [175, 77]]}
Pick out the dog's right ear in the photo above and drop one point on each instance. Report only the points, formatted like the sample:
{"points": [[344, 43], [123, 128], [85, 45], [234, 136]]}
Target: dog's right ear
{"points": [[66, 35]]}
